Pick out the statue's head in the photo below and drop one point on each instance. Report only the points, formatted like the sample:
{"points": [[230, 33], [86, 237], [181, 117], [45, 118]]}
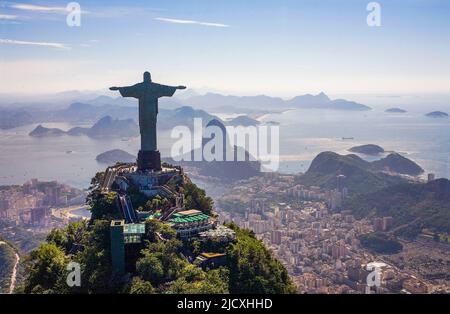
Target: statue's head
{"points": [[147, 77]]}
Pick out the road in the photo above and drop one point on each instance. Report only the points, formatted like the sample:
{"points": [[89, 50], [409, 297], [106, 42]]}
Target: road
{"points": [[67, 212], [12, 286], [14, 275]]}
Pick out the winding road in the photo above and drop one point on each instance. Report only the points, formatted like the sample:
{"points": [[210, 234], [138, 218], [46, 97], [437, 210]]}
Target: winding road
{"points": [[12, 286], [14, 275]]}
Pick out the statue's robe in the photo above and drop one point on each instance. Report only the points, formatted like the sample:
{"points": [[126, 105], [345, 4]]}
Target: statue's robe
{"points": [[148, 94]]}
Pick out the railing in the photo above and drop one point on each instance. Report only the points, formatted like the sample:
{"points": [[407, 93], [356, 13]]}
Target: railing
{"points": [[127, 210], [191, 231], [169, 213], [110, 176]]}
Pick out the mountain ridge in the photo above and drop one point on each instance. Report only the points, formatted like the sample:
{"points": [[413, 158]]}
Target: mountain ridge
{"points": [[361, 176], [106, 127], [413, 206], [308, 101]]}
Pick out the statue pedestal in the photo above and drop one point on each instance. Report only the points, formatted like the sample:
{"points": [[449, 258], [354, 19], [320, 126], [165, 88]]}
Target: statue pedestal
{"points": [[149, 160]]}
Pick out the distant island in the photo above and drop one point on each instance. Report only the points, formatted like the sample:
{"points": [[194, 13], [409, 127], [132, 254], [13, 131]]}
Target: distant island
{"points": [[111, 157], [395, 110], [369, 149], [41, 131], [243, 121], [106, 127], [437, 114]]}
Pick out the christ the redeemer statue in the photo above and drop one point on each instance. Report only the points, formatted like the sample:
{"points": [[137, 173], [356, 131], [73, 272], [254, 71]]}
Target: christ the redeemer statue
{"points": [[148, 93]]}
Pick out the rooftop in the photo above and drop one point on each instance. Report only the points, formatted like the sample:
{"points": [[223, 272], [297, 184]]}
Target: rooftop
{"points": [[196, 217], [212, 255], [189, 212]]}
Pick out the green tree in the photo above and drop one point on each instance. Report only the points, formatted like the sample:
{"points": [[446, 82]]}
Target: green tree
{"points": [[95, 258], [158, 202], [152, 227], [103, 206], [46, 266], [253, 269], [196, 198], [150, 268], [66, 238], [193, 280], [139, 286]]}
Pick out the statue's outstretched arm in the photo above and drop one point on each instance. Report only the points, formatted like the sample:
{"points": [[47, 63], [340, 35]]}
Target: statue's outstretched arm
{"points": [[167, 91], [173, 87], [127, 91]]}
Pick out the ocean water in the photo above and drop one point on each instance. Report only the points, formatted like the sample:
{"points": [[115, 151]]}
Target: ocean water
{"points": [[68, 159], [303, 134]]}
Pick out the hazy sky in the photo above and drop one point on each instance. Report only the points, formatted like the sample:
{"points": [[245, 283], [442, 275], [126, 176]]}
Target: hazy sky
{"points": [[240, 46]]}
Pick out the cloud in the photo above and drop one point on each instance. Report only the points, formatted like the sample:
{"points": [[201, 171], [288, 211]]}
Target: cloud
{"points": [[42, 9], [8, 17], [123, 11], [37, 8], [192, 22], [34, 43], [101, 12]]}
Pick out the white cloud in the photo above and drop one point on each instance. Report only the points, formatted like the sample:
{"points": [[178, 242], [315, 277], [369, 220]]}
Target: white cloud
{"points": [[8, 17], [42, 9], [34, 43], [122, 11], [101, 12], [37, 8], [178, 21]]}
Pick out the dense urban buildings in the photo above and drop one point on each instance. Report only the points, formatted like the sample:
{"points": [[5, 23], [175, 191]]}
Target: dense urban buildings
{"points": [[32, 203], [318, 241]]}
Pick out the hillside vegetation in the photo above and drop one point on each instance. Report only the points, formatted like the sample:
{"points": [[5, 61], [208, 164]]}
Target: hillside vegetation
{"points": [[7, 262], [413, 206], [361, 176]]}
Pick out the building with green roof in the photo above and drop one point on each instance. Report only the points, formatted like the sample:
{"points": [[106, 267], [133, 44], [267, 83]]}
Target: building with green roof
{"points": [[189, 223]]}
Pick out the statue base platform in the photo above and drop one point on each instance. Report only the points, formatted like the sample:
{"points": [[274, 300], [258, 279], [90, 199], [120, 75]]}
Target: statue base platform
{"points": [[149, 160]]}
